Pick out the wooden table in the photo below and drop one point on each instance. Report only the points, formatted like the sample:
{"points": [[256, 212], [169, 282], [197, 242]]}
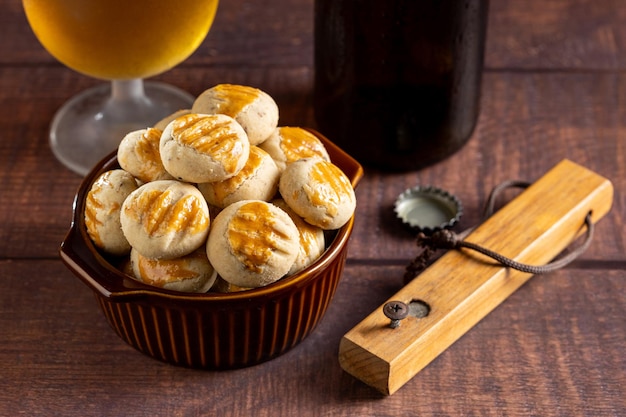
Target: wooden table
{"points": [[554, 87]]}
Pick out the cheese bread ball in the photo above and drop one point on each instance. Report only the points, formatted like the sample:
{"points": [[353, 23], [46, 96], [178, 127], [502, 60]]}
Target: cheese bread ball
{"points": [[165, 219], [162, 124], [190, 273], [204, 148], [138, 153], [252, 243], [319, 192], [254, 109], [258, 180], [312, 242], [288, 144], [102, 210]]}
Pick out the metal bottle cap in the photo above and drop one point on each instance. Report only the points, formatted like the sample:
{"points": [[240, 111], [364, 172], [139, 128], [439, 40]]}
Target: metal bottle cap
{"points": [[428, 208]]}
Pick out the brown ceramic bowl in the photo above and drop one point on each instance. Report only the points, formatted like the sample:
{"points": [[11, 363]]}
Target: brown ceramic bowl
{"points": [[211, 330]]}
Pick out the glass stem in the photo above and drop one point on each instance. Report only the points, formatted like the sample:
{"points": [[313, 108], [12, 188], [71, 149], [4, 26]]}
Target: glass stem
{"points": [[127, 90], [128, 102]]}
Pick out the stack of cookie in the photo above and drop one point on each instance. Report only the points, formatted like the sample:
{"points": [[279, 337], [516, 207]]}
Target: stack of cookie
{"points": [[219, 197]]}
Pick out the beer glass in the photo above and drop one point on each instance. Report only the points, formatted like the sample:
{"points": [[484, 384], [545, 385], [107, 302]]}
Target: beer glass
{"points": [[122, 42]]}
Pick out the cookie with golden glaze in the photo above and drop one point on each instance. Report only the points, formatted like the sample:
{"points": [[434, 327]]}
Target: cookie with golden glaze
{"points": [[255, 110], [319, 192], [258, 180], [312, 241], [204, 148], [138, 154], [165, 219], [252, 243], [288, 144], [162, 124], [190, 273], [102, 210]]}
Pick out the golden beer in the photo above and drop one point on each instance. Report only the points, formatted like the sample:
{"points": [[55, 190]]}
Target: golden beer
{"points": [[120, 39]]}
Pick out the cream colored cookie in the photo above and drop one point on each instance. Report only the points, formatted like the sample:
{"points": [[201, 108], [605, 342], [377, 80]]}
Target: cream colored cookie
{"points": [[102, 210], [165, 219], [138, 153], [288, 144], [190, 273], [252, 243], [258, 180], [204, 148], [319, 192], [162, 124], [254, 109], [312, 242]]}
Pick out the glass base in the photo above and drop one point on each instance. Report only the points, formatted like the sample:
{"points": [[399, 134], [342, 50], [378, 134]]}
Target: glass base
{"points": [[91, 125]]}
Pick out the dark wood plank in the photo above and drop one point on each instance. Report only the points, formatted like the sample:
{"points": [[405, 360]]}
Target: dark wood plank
{"points": [[553, 35], [554, 348], [533, 34]]}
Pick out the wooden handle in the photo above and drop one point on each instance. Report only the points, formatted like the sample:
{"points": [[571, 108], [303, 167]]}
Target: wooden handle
{"points": [[462, 287]]}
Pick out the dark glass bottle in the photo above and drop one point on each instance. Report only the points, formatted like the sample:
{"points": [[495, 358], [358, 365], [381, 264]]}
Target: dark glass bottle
{"points": [[397, 82]]}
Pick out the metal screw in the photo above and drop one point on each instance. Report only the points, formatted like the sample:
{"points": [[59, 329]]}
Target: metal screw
{"points": [[395, 311]]}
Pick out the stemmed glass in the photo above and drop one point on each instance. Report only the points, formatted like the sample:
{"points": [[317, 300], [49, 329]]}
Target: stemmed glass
{"points": [[124, 42]]}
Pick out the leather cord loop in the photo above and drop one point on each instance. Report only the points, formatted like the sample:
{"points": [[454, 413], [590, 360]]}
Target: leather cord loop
{"points": [[447, 239]]}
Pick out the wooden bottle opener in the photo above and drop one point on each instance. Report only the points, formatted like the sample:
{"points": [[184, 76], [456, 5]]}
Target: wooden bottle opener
{"points": [[461, 287]]}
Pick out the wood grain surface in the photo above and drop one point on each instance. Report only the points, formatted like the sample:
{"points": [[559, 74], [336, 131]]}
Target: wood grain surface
{"points": [[554, 87]]}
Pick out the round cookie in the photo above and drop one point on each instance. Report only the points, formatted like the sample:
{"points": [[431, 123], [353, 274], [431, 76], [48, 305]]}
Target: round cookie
{"points": [[252, 243], [255, 110], [162, 124], [138, 153], [288, 144], [102, 210], [204, 148], [165, 219], [319, 192], [312, 242], [190, 273], [258, 180]]}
